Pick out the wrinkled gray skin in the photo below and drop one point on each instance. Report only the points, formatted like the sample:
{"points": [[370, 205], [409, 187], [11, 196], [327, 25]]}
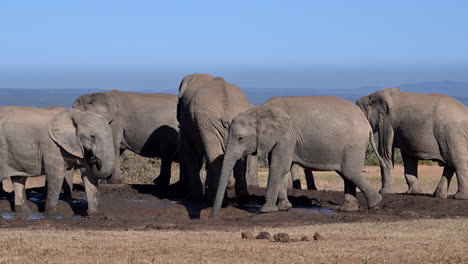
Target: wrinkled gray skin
{"points": [[39, 141], [424, 127], [143, 123], [316, 132], [205, 110]]}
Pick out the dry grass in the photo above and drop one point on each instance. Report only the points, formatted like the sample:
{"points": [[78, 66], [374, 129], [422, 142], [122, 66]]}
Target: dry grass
{"points": [[423, 241]]}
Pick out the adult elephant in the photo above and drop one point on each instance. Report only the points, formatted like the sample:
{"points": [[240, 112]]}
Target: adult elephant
{"points": [[38, 141], [423, 127], [317, 132], [205, 110], [143, 123]]}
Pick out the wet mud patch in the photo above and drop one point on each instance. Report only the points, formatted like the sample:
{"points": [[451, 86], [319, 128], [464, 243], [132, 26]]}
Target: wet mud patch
{"points": [[142, 207]]}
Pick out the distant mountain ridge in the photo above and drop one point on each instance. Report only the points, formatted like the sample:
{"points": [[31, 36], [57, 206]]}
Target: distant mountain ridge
{"points": [[65, 97]]}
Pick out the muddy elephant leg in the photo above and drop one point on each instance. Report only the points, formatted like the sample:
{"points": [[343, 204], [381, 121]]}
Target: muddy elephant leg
{"points": [[68, 185], [164, 178], [444, 183], [92, 192], [462, 178], [190, 167], [350, 202], [295, 178], [411, 174], [283, 202], [54, 185], [20, 194], [280, 165], [309, 175], [351, 170], [252, 168]]}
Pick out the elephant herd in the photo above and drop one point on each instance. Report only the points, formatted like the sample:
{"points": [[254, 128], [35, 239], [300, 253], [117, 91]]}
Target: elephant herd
{"points": [[211, 122]]}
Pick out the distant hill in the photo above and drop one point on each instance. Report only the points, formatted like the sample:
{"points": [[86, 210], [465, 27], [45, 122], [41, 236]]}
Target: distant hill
{"points": [[65, 97]]}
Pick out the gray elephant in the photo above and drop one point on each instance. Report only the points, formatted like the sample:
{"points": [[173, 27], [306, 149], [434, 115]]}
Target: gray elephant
{"points": [[424, 127], [38, 141], [143, 123], [317, 132], [205, 109]]}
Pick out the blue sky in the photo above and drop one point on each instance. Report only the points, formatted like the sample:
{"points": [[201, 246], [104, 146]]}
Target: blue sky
{"points": [[252, 43]]}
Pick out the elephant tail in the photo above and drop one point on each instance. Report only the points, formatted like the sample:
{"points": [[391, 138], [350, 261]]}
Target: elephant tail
{"points": [[372, 141]]}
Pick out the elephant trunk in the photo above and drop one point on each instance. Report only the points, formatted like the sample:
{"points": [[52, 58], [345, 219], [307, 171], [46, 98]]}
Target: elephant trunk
{"points": [[103, 164], [229, 162]]}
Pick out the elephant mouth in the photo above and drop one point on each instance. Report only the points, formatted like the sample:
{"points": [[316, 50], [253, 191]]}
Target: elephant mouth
{"points": [[96, 162]]}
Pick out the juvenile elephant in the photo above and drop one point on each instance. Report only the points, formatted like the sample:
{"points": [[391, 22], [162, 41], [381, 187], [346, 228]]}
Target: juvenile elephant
{"points": [[205, 109], [424, 127], [38, 141], [143, 123], [317, 132]]}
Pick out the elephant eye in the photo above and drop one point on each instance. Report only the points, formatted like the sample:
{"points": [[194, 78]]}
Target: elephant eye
{"points": [[241, 138], [93, 137]]}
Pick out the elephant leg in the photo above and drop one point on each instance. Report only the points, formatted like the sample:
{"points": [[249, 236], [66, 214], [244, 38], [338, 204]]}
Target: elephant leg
{"points": [[350, 202], [444, 183], [240, 170], [462, 190], [280, 165], [54, 185], [164, 178], [283, 202], [309, 175], [213, 170], [387, 174], [92, 192], [411, 174], [190, 167], [351, 170], [20, 194], [68, 185], [252, 168], [295, 178]]}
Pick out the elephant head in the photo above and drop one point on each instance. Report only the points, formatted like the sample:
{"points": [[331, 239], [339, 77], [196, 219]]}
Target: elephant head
{"points": [[87, 137], [377, 107], [99, 103], [256, 132]]}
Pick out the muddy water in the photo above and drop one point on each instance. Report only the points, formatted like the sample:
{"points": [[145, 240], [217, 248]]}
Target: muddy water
{"points": [[141, 207]]}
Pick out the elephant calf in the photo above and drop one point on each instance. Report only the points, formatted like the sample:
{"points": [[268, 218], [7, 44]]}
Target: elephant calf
{"points": [[52, 141], [143, 123], [317, 132]]}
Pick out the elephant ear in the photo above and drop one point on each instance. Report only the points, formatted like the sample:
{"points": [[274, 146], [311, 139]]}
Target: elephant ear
{"points": [[63, 131], [272, 123]]}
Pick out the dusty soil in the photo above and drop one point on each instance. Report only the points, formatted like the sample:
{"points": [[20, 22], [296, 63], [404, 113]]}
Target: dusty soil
{"points": [[139, 224]]}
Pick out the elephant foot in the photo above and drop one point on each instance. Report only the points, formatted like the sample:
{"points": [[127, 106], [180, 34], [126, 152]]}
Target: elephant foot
{"points": [[94, 213], [386, 190], [440, 194], [373, 201], [284, 205], [269, 208], [23, 209], [414, 190], [51, 211], [461, 195], [349, 206]]}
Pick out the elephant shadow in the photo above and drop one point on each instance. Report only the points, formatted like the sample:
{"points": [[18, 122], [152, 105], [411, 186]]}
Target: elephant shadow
{"points": [[161, 141]]}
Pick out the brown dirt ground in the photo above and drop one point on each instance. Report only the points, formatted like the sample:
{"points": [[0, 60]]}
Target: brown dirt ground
{"points": [[147, 226]]}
